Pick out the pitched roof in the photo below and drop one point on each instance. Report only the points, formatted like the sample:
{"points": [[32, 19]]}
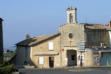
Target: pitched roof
{"points": [[36, 40], [96, 26]]}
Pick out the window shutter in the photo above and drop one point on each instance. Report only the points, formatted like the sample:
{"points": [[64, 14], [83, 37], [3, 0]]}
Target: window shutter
{"points": [[51, 46], [41, 60]]}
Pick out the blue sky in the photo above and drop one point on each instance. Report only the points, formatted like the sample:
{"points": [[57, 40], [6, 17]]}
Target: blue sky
{"points": [[41, 17]]}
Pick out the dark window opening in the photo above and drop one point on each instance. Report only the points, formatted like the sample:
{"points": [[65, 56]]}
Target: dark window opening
{"points": [[70, 35], [73, 57], [71, 18]]}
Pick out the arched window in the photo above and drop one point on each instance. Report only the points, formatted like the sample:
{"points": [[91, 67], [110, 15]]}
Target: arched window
{"points": [[71, 18]]}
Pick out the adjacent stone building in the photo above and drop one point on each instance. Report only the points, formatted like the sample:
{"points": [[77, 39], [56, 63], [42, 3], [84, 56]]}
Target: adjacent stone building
{"points": [[75, 44], [1, 41]]}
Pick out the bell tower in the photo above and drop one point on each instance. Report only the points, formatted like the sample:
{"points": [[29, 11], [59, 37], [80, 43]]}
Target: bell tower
{"points": [[71, 15]]}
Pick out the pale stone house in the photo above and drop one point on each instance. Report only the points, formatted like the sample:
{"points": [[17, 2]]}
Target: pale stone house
{"points": [[75, 44], [41, 51]]}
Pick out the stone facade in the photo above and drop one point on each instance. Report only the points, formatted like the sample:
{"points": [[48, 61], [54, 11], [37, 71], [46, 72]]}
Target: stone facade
{"points": [[32, 54], [1, 41], [75, 45], [44, 48]]}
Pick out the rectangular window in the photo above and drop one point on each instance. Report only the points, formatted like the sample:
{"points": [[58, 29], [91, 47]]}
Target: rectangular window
{"points": [[41, 60], [51, 46]]}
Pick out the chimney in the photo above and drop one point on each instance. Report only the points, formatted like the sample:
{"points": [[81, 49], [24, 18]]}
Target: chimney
{"points": [[109, 24], [27, 36], [1, 19]]}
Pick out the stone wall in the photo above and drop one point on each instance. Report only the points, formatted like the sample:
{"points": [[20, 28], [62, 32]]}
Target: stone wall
{"points": [[78, 34], [44, 48], [68, 43]]}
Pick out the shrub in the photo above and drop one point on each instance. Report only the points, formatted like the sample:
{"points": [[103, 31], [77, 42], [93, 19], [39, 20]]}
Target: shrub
{"points": [[7, 69]]}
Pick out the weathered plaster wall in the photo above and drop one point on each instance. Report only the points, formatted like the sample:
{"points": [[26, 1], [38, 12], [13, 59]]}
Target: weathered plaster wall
{"points": [[22, 55], [78, 34]]}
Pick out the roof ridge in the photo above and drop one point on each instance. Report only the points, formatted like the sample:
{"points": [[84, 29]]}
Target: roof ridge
{"points": [[45, 35], [33, 41]]}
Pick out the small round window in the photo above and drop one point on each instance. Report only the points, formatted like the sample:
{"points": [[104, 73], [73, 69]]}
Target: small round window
{"points": [[70, 35]]}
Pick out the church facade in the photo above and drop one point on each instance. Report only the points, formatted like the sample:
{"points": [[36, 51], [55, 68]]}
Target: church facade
{"points": [[83, 45]]}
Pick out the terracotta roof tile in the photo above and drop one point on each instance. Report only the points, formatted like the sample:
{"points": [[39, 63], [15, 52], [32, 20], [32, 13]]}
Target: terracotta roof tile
{"points": [[96, 26], [36, 40]]}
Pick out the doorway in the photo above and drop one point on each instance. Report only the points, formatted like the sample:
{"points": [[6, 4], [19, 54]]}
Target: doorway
{"points": [[72, 57], [105, 59], [51, 62]]}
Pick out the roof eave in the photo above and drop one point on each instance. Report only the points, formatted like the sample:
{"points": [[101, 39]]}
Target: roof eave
{"points": [[44, 40]]}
